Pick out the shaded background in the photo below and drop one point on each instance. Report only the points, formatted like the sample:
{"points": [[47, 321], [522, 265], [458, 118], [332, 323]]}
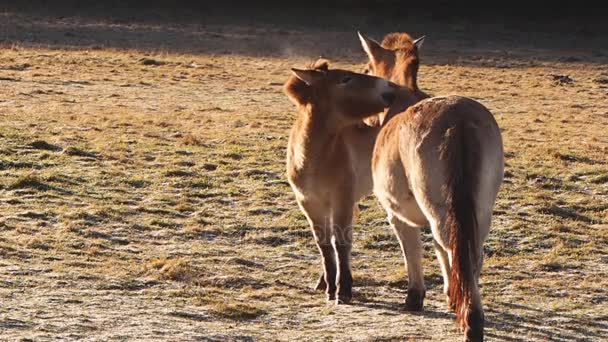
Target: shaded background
{"points": [[471, 33]]}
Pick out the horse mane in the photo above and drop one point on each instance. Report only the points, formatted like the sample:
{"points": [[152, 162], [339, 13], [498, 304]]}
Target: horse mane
{"points": [[320, 64], [398, 41]]}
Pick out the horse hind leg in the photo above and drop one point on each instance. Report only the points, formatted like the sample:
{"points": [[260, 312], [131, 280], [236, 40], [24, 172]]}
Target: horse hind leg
{"points": [[483, 228], [444, 262], [411, 247], [475, 316]]}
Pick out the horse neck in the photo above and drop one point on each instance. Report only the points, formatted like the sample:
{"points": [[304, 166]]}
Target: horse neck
{"points": [[410, 81], [403, 101], [316, 135]]}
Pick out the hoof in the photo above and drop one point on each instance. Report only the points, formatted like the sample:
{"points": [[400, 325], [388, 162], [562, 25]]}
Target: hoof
{"points": [[473, 331], [473, 336], [331, 298], [341, 300], [321, 284], [414, 300]]}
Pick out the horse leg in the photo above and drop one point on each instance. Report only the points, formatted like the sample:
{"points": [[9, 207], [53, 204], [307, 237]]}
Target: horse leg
{"points": [[411, 246], [319, 220], [343, 238], [444, 263], [321, 284], [475, 316]]}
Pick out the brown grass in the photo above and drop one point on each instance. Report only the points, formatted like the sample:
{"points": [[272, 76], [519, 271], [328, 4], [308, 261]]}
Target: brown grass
{"points": [[143, 197]]}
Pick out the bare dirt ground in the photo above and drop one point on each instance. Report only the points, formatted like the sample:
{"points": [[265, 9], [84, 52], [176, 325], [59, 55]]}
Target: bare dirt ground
{"points": [[143, 197]]}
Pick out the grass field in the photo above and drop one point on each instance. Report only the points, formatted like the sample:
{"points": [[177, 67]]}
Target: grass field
{"points": [[143, 196]]}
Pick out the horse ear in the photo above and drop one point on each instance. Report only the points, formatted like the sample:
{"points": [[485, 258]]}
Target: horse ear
{"points": [[371, 47], [309, 77], [418, 42]]}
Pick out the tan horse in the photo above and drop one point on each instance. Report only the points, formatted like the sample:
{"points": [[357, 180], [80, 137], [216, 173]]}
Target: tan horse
{"points": [[396, 59], [360, 138], [439, 164], [328, 159]]}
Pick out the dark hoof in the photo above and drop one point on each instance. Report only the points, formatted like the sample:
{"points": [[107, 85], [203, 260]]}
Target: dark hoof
{"points": [[321, 284], [414, 300], [474, 329], [343, 300], [331, 297], [473, 336]]}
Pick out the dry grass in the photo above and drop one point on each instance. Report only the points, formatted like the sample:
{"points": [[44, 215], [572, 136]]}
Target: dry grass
{"points": [[143, 197]]}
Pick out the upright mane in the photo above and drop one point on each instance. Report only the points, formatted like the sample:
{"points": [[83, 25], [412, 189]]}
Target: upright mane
{"points": [[398, 41]]}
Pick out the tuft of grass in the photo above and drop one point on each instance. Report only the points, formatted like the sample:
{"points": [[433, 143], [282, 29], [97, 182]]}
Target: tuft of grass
{"points": [[191, 140], [553, 261], [179, 173], [564, 213], [381, 241], [137, 183], [163, 223], [234, 155], [178, 269], [73, 151], [573, 158], [43, 145], [209, 167], [151, 61], [602, 179], [273, 241], [31, 182], [38, 243], [200, 183], [237, 312]]}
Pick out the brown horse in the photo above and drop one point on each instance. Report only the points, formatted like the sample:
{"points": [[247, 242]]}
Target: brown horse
{"points": [[328, 159], [439, 163], [360, 138], [396, 59]]}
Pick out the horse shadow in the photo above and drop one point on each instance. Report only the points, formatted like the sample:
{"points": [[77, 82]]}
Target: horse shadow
{"points": [[507, 319]]}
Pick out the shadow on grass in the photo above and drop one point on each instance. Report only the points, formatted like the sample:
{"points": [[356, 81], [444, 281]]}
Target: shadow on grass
{"points": [[30, 182], [547, 325], [398, 308]]}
